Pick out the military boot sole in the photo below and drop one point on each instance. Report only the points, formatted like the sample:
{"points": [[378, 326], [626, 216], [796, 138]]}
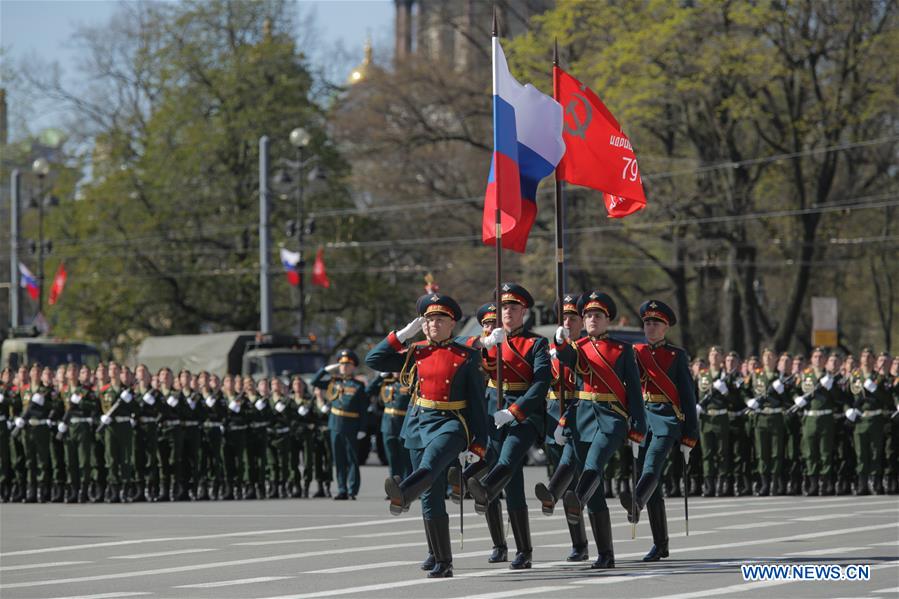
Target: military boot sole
{"points": [[547, 500]]}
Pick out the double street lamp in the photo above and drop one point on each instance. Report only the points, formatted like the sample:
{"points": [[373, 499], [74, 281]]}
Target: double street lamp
{"points": [[299, 139]]}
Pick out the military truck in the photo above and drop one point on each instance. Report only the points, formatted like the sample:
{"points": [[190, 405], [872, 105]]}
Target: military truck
{"points": [[24, 347], [233, 352]]}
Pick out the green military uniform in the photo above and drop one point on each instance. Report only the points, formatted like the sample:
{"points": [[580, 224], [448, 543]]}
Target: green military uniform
{"points": [[279, 433], [739, 434], [767, 422], [818, 403], [891, 469], [304, 432], [324, 456], [212, 462], [236, 425], [171, 444], [118, 439], [844, 452], [193, 417], [872, 405], [57, 449], [6, 419], [81, 411], [714, 400], [793, 448], [260, 417], [17, 447], [34, 419], [148, 413]]}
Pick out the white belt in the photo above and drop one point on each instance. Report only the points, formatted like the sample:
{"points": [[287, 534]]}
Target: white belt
{"points": [[121, 419], [190, 422], [869, 413], [818, 412], [771, 411], [147, 419], [281, 430], [38, 421], [258, 424], [717, 412], [79, 420], [237, 427], [211, 424], [733, 414]]}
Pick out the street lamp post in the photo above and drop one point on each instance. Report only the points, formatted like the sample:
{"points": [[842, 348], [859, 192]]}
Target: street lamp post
{"points": [[300, 138], [40, 168]]}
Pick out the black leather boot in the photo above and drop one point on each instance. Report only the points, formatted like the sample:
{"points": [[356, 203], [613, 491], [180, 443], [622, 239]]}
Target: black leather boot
{"points": [[521, 530], [764, 486], [550, 494], [306, 489], [17, 494], [404, 493], [602, 534], [488, 488], [31, 494], [861, 485], [578, 534], [321, 490], [83, 493], [43, 493], [497, 534], [574, 501], [607, 488], [428, 564], [876, 485], [71, 494], [646, 486], [454, 477], [438, 531], [658, 523], [57, 493], [708, 487]]}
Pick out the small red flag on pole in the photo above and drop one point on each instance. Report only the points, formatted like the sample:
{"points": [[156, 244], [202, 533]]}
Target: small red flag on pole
{"points": [[319, 274], [59, 282]]}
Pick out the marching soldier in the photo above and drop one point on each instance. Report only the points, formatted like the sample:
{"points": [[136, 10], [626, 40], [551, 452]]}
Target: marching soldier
{"points": [[394, 396], [892, 452], [146, 435], [347, 405], [324, 456], [34, 419], [446, 419], [519, 420], [279, 441], [817, 404], [257, 438], [236, 426], [193, 416], [670, 403], [767, 399], [741, 444], [304, 425], [564, 456], [608, 410], [871, 399], [77, 429], [6, 416], [20, 472], [117, 408], [57, 447], [171, 437], [212, 461], [792, 468], [843, 452], [714, 426]]}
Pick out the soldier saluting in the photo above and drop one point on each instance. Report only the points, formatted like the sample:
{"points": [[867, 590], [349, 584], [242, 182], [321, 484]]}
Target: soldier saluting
{"points": [[446, 419], [670, 403]]}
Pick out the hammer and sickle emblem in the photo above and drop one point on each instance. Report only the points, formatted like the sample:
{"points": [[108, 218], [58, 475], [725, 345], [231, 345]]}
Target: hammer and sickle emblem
{"points": [[579, 127]]}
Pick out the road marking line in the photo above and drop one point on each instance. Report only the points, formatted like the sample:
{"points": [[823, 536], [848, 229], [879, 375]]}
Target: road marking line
{"points": [[839, 516], [228, 583], [47, 565], [751, 525], [159, 554], [344, 569], [105, 595], [515, 593], [887, 544], [892, 590], [279, 542], [832, 551]]}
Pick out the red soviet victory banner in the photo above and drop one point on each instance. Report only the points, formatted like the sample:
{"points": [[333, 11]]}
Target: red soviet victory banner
{"points": [[59, 282], [597, 153], [319, 274]]}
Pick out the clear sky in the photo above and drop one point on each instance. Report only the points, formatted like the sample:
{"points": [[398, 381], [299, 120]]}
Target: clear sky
{"points": [[44, 28]]}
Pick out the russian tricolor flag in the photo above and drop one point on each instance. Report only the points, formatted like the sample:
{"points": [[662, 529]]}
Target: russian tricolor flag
{"points": [[527, 146], [28, 282]]}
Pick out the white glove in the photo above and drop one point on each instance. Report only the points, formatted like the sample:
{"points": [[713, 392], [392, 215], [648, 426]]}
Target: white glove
{"points": [[800, 401], [559, 436], [752, 404], [410, 330], [149, 399], [361, 435], [635, 448], [126, 396], [826, 381], [1, 398], [332, 368], [106, 419], [852, 414], [870, 385], [326, 408], [20, 422], [739, 383], [720, 386], [260, 404], [686, 449], [210, 401], [502, 418], [280, 407], [777, 386], [304, 410], [699, 410], [62, 427], [133, 422], [562, 335], [38, 399], [75, 398], [172, 401], [234, 406], [553, 353], [496, 336], [468, 457]]}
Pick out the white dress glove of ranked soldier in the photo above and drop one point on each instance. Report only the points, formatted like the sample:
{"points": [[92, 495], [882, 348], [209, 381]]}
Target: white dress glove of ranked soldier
{"points": [[686, 449], [303, 410], [326, 408], [777, 386], [20, 422], [800, 401], [106, 419], [280, 407], [502, 418], [38, 399], [720, 386], [234, 406], [496, 336], [870, 386], [752, 404], [126, 396], [361, 435], [62, 427], [332, 368], [826, 381], [172, 401], [852, 414], [149, 399], [468, 457], [699, 410], [562, 335], [260, 404], [210, 401], [75, 398], [410, 330], [1, 398], [559, 436]]}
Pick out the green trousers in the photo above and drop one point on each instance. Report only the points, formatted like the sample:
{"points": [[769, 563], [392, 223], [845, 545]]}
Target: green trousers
{"points": [[769, 443], [714, 437], [79, 451], [817, 444]]}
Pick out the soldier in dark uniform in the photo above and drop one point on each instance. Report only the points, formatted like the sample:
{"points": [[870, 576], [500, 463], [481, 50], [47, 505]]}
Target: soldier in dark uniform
{"points": [[171, 436], [714, 426], [212, 461], [608, 410], [741, 444], [279, 440], [6, 416], [305, 425], [892, 450], [394, 396], [446, 419], [235, 442], [324, 456], [33, 418], [117, 408], [193, 416], [257, 440], [563, 455], [767, 397], [347, 405], [57, 446], [791, 476], [670, 402], [146, 435], [871, 398], [77, 429], [815, 399], [17, 447], [518, 419]]}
